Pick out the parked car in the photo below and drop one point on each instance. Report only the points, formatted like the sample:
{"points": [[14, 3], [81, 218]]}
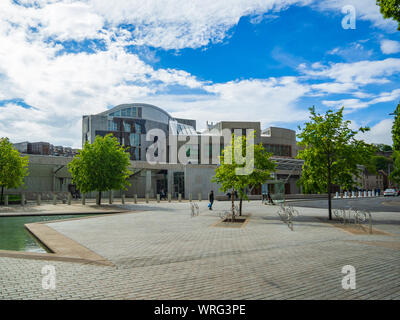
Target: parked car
{"points": [[390, 192]]}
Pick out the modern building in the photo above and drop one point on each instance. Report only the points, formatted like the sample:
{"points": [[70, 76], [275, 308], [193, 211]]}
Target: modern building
{"points": [[129, 123], [133, 125]]}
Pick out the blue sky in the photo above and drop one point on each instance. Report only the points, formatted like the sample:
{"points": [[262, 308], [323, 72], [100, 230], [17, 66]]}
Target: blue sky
{"points": [[250, 60]]}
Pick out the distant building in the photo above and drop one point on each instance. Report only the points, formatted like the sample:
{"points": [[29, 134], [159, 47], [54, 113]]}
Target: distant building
{"points": [[44, 149]]}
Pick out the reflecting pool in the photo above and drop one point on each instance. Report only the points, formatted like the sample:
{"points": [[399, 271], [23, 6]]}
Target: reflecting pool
{"points": [[14, 236]]}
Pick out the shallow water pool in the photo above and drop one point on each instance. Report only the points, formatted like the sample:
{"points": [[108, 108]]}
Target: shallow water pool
{"points": [[14, 236]]}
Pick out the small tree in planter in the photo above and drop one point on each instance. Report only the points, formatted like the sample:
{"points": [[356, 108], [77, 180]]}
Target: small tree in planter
{"points": [[101, 166], [227, 175]]}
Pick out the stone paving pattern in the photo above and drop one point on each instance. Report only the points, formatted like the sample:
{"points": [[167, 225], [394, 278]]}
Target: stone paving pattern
{"points": [[161, 252]]}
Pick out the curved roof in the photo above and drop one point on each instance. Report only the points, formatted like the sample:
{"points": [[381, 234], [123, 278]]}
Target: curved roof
{"points": [[127, 105]]}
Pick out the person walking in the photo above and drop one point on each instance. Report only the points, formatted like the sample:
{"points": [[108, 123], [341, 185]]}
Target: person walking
{"points": [[211, 199]]}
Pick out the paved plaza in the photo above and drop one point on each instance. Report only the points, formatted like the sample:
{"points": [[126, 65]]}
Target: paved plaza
{"points": [[159, 251]]}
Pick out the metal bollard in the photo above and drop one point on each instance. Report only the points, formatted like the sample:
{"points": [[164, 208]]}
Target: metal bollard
{"points": [[135, 198], [179, 197], [169, 197], [6, 200], [84, 199], [147, 198], [69, 199], [158, 198], [39, 199], [199, 196], [123, 198]]}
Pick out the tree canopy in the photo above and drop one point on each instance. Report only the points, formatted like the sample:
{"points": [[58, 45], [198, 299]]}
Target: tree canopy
{"points": [[101, 166], [380, 163], [396, 129], [13, 167], [395, 174], [331, 153], [228, 172], [390, 9]]}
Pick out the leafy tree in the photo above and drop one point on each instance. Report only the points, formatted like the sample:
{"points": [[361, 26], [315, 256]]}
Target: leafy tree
{"points": [[13, 167], [395, 174], [227, 175], [101, 166], [380, 163], [380, 147], [331, 153], [390, 9], [396, 129]]}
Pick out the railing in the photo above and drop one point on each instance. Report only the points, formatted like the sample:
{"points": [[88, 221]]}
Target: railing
{"points": [[360, 217]]}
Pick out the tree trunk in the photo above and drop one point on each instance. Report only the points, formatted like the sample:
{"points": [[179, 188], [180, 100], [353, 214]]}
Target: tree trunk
{"points": [[329, 192], [240, 206], [99, 198], [233, 203], [2, 192]]}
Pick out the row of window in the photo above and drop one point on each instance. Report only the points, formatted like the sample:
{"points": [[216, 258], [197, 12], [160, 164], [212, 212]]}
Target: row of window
{"points": [[279, 149], [127, 112], [112, 126]]}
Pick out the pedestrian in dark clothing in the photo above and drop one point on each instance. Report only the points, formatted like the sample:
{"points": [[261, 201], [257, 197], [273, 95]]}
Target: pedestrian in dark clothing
{"points": [[211, 198], [269, 198]]}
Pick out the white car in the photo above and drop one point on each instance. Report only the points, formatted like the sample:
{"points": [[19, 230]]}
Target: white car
{"points": [[390, 192]]}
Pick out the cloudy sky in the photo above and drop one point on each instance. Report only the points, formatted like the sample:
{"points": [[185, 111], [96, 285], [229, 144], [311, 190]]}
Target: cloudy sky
{"points": [[256, 60]]}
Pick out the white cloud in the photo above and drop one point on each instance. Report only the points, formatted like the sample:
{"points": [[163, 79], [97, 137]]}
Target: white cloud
{"points": [[379, 133], [62, 88], [359, 73], [172, 24], [390, 46], [354, 104]]}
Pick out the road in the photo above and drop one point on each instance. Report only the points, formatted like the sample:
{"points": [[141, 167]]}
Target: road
{"points": [[388, 204]]}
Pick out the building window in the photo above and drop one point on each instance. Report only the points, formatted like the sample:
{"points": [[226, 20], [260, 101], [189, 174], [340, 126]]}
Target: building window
{"points": [[111, 125], [138, 128], [127, 127], [134, 139]]}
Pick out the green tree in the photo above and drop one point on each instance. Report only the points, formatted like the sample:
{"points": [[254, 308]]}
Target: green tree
{"points": [[13, 167], [227, 175], [380, 163], [390, 9], [380, 147], [101, 166], [396, 129], [395, 174], [331, 153]]}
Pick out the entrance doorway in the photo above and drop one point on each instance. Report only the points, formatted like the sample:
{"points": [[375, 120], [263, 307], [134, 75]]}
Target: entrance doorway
{"points": [[179, 184]]}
